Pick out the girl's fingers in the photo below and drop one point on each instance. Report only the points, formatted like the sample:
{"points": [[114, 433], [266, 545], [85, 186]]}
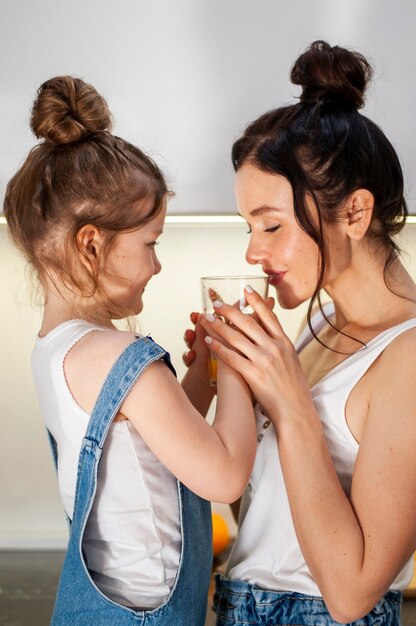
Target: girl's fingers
{"points": [[189, 337], [194, 317], [188, 357]]}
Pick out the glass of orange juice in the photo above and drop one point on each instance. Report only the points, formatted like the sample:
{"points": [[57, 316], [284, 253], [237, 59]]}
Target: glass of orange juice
{"points": [[228, 289]]}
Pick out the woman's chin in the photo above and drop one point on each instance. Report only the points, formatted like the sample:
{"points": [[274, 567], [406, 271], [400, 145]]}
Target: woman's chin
{"points": [[289, 301]]}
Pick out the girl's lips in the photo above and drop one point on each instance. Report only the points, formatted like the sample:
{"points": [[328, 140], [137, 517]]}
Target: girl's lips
{"points": [[275, 278]]}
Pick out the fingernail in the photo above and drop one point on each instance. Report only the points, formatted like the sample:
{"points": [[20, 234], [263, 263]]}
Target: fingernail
{"points": [[217, 304], [208, 339], [210, 317], [249, 289]]}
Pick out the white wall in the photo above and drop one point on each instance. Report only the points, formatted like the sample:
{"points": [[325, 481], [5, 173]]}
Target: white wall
{"points": [[30, 511], [183, 77]]}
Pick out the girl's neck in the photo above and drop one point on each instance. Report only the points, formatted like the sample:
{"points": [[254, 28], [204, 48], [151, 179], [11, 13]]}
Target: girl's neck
{"points": [[60, 308]]}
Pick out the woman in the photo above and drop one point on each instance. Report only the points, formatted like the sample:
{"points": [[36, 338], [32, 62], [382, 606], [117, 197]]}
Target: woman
{"points": [[327, 526]]}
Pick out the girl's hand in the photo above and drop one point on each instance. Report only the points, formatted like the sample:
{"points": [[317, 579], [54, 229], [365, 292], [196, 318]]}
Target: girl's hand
{"points": [[196, 383], [198, 351], [189, 338], [257, 347]]}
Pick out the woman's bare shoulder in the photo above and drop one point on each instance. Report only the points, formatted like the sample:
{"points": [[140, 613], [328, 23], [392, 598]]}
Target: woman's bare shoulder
{"points": [[398, 359]]}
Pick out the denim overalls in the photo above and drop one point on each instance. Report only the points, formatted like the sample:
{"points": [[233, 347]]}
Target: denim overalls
{"points": [[238, 603], [79, 602]]}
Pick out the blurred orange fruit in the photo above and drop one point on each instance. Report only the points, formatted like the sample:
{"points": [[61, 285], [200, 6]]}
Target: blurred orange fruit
{"points": [[220, 533]]}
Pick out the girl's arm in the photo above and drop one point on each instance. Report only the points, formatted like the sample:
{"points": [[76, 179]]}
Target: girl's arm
{"points": [[213, 461], [353, 546]]}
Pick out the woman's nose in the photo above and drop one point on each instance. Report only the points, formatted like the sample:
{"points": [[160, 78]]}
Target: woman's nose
{"points": [[255, 252], [158, 266]]}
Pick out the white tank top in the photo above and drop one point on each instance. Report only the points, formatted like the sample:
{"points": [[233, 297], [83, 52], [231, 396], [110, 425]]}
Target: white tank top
{"points": [[266, 552], [132, 539]]}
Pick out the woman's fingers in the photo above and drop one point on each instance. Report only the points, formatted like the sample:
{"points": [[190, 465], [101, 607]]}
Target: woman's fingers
{"points": [[225, 333], [264, 312], [229, 356], [270, 303], [260, 327]]}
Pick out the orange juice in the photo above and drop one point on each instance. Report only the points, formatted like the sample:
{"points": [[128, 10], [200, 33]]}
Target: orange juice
{"points": [[228, 289], [212, 370]]}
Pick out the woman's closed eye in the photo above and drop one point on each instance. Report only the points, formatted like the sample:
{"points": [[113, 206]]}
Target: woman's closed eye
{"points": [[272, 229]]}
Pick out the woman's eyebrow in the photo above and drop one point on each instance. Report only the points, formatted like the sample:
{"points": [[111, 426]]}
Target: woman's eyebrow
{"points": [[264, 209]]}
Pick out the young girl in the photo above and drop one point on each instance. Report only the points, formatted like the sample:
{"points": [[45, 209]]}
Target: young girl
{"points": [[86, 208], [328, 522]]}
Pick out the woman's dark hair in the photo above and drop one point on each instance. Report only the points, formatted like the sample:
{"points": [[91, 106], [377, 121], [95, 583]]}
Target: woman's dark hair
{"points": [[78, 174], [326, 149]]}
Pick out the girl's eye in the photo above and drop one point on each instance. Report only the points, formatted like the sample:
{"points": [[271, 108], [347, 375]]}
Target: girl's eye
{"points": [[249, 231], [272, 229], [153, 244]]}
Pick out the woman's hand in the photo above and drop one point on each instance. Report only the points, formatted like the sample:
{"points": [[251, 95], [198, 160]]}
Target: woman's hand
{"points": [[257, 347]]}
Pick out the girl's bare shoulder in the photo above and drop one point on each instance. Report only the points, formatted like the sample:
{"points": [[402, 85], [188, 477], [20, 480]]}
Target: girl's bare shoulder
{"points": [[89, 361]]}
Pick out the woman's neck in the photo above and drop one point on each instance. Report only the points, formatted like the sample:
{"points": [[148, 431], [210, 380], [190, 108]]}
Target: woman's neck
{"points": [[365, 298]]}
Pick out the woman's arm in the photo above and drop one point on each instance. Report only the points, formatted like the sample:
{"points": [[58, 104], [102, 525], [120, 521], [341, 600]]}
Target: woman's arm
{"points": [[353, 546]]}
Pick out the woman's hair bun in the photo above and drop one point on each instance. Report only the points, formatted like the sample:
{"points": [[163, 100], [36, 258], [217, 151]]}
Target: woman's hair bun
{"points": [[67, 109], [331, 74]]}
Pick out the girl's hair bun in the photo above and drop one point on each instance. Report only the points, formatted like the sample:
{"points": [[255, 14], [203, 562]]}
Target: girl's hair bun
{"points": [[67, 109], [331, 74]]}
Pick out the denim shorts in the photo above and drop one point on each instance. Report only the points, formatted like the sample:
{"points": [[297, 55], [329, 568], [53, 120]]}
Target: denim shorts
{"points": [[238, 603]]}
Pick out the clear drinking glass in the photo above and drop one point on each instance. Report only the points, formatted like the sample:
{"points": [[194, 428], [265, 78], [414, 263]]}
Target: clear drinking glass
{"points": [[228, 289]]}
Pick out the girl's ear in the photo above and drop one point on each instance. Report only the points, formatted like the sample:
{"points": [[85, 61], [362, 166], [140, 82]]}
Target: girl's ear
{"points": [[359, 212], [90, 243]]}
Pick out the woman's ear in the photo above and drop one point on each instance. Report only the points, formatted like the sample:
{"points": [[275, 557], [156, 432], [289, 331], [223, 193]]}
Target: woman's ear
{"points": [[359, 212], [90, 242]]}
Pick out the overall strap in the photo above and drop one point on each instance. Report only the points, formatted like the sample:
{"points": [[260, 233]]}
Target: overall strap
{"points": [[124, 373]]}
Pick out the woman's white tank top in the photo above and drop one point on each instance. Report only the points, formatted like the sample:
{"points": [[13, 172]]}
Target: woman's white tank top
{"points": [[266, 552], [132, 540]]}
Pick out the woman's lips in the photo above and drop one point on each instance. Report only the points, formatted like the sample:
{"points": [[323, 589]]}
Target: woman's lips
{"points": [[275, 278]]}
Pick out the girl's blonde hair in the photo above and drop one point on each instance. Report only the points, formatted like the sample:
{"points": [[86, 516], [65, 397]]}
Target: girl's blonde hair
{"points": [[78, 174]]}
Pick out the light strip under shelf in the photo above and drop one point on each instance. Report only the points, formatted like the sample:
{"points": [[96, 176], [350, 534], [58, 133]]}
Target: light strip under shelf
{"points": [[191, 220]]}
